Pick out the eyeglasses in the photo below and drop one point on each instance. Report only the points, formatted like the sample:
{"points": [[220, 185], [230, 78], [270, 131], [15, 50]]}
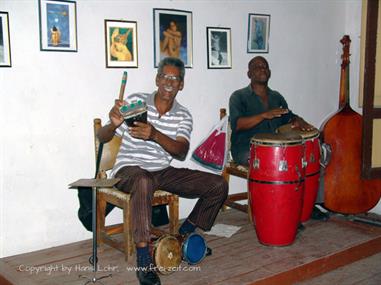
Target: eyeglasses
{"points": [[168, 77]]}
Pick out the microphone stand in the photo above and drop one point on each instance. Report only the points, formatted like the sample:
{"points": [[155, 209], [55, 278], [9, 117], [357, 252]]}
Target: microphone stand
{"points": [[94, 258]]}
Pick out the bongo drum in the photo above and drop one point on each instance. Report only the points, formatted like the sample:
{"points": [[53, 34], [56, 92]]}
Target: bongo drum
{"points": [[194, 248], [166, 254], [276, 178], [312, 153]]}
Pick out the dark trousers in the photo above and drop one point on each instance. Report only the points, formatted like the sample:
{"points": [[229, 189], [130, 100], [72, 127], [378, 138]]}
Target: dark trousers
{"points": [[210, 189]]}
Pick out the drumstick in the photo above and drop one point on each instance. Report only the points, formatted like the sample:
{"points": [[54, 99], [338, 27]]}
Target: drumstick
{"points": [[123, 86]]}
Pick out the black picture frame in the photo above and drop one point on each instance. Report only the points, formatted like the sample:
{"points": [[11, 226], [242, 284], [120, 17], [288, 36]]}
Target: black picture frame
{"points": [[121, 44], [173, 35], [5, 42], [258, 33], [58, 25], [219, 48]]}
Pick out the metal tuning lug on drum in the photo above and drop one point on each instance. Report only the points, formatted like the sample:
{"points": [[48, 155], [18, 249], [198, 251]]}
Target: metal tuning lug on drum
{"points": [[312, 158], [304, 158], [256, 163], [304, 162], [256, 160], [283, 165], [300, 179]]}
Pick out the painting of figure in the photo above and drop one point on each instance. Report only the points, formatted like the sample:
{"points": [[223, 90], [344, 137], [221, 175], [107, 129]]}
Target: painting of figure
{"points": [[121, 44], [58, 25], [173, 36], [1, 42], [258, 34], [5, 45]]}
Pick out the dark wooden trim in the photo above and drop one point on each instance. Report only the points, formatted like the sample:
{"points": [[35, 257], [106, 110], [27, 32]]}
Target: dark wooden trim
{"points": [[231, 201], [237, 206], [4, 281], [369, 112], [238, 196], [375, 172]]}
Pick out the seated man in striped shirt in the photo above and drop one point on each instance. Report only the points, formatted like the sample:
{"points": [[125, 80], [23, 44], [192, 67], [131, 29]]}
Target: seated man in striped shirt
{"points": [[143, 162]]}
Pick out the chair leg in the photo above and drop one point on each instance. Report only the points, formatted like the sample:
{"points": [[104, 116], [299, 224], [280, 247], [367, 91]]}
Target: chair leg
{"points": [[101, 218], [127, 232], [173, 206], [226, 176]]}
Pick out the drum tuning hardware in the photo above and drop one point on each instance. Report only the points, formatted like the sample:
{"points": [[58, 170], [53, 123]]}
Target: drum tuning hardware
{"points": [[304, 163], [283, 166], [256, 163], [299, 174]]}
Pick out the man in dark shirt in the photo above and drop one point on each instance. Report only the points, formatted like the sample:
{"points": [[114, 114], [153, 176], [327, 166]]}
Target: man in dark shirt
{"points": [[258, 109]]}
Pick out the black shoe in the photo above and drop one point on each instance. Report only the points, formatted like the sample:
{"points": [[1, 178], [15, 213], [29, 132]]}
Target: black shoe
{"points": [[148, 277], [317, 214]]}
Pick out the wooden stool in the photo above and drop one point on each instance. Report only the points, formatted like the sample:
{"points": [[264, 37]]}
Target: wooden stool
{"points": [[232, 168]]}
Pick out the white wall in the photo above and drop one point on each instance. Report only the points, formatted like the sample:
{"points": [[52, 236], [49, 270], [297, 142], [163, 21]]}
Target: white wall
{"points": [[49, 99]]}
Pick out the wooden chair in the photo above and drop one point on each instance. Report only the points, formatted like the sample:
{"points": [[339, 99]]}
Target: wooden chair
{"points": [[122, 200], [232, 168]]}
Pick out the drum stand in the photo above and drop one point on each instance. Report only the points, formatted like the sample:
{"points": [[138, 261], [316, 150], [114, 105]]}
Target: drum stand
{"points": [[94, 258], [368, 221]]}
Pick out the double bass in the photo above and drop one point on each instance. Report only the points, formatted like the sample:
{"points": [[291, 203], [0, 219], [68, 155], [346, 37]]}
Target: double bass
{"points": [[344, 189]]}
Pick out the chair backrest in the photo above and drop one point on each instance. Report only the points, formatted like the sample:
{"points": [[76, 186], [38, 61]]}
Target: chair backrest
{"points": [[222, 113], [110, 150]]}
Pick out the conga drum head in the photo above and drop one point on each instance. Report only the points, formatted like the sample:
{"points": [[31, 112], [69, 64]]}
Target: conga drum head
{"points": [[276, 139], [194, 248], [167, 254], [314, 133]]}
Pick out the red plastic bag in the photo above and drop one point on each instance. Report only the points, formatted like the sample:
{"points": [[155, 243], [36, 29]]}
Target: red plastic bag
{"points": [[212, 151]]}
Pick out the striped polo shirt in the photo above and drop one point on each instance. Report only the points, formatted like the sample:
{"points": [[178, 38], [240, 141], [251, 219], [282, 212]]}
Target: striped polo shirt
{"points": [[148, 154]]}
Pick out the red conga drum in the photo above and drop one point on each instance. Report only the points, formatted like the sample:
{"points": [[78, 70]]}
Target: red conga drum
{"points": [[276, 184], [311, 184]]}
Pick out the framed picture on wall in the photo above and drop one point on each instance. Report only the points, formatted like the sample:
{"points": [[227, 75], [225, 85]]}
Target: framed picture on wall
{"points": [[172, 35], [219, 47], [5, 43], [121, 43], [258, 33], [58, 25]]}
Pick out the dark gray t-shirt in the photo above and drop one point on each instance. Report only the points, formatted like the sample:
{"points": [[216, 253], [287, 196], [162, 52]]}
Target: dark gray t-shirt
{"points": [[244, 103]]}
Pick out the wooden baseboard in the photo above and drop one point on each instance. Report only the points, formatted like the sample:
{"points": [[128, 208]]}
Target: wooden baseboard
{"points": [[4, 281], [323, 265]]}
